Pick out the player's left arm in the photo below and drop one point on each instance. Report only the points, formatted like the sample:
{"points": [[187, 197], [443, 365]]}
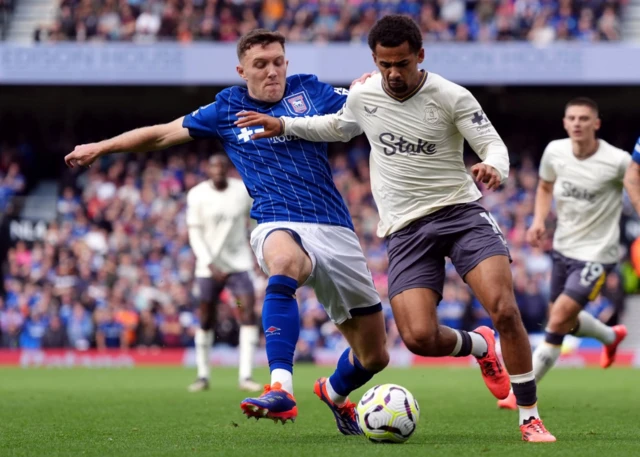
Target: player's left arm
{"points": [[483, 138], [631, 178]]}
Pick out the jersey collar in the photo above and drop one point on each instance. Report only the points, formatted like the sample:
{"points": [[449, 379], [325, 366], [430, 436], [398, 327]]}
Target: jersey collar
{"points": [[410, 94]]}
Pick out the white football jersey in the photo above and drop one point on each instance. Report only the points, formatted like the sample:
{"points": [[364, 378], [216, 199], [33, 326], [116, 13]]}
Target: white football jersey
{"points": [[416, 143], [588, 198], [217, 222]]}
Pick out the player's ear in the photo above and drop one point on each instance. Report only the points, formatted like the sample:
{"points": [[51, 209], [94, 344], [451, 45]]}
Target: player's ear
{"points": [[240, 70], [421, 55], [598, 124]]}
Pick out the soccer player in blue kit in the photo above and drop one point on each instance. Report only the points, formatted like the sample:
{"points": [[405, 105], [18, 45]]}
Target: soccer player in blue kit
{"points": [[304, 236]]}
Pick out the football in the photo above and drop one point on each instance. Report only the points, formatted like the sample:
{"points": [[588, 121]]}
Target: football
{"points": [[388, 413]]}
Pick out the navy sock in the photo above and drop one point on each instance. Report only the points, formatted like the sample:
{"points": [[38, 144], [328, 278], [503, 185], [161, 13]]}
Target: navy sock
{"points": [[281, 321], [348, 377]]}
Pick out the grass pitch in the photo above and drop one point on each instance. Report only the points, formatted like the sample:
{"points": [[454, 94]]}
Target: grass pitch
{"points": [[148, 412]]}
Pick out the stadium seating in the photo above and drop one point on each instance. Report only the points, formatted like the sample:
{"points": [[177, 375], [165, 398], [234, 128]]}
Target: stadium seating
{"points": [[334, 20]]}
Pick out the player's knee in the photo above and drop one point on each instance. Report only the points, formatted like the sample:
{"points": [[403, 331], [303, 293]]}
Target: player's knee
{"points": [[506, 317], [422, 342], [287, 264], [375, 361]]}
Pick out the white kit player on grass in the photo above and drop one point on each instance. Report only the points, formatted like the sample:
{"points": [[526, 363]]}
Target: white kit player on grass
{"points": [[218, 217], [416, 123], [585, 176]]}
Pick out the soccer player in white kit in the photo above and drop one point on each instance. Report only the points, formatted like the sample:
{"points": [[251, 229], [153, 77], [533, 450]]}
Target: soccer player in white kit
{"points": [[416, 123], [217, 218], [585, 176]]}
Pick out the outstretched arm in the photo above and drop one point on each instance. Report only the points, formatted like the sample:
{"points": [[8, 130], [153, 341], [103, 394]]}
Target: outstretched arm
{"points": [[144, 139], [341, 126]]}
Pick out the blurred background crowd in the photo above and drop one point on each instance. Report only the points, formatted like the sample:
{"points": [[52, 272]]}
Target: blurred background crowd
{"points": [[115, 269], [320, 21]]}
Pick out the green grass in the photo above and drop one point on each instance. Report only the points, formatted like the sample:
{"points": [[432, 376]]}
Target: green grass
{"points": [[148, 412]]}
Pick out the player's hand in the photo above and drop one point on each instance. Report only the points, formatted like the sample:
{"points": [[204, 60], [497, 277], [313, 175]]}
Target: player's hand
{"points": [[486, 174], [271, 126], [535, 234], [84, 155], [217, 274], [362, 78]]}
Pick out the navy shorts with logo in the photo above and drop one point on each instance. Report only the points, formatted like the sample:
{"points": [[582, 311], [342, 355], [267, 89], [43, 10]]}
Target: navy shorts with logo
{"points": [[238, 283], [578, 279], [466, 233]]}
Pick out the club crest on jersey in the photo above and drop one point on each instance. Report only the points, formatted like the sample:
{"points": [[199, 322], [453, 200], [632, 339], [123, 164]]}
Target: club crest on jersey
{"points": [[431, 115], [297, 103]]}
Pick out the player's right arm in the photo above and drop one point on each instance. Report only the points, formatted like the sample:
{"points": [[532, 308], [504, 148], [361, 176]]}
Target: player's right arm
{"points": [[200, 123], [544, 199]]}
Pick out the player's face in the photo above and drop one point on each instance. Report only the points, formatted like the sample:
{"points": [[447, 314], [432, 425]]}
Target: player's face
{"points": [[581, 122], [218, 171], [399, 67], [265, 71]]}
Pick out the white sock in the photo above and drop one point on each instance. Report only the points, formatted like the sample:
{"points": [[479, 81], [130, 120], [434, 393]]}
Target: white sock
{"points": [[544, 357], [525, 412], [203, 342], [247, 347], [333, 395], [478, 344], [479, 347], [284, 377], [594, 328]]}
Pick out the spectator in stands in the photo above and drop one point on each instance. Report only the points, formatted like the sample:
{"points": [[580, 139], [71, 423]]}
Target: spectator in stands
{"points": [[335, 21]]}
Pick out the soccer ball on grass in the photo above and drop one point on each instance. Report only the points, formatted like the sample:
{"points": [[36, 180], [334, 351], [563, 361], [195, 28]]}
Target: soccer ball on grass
{"points": [[388, 413]]}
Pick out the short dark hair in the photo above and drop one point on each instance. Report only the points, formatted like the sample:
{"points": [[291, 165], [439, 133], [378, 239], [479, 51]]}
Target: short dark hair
{"points": [[583, 101], [262, 37], [393, 30]]}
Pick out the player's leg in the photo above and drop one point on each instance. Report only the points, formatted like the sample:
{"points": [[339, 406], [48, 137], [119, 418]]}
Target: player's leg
{"points": [[343, 284], [416, 279], [492, 284], [283, 258], [583, 283], [366, 356], [241, 286], [209, 292]]}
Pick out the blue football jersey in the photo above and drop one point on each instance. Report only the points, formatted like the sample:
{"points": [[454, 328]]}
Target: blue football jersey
{"points": [[288, 178]]}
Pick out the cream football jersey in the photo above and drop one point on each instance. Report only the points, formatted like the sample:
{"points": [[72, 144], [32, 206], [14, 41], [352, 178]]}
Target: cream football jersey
{"points": [[416, 143], [217, 222], [588, 199]]}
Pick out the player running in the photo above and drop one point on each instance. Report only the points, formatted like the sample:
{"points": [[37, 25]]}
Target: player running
{"points": [[586, 176], [416, 123], [304, 236], [217, 217]]}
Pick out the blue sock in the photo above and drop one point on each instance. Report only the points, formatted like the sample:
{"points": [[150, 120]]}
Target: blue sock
{"points": [[281, 321], [348, 377]]}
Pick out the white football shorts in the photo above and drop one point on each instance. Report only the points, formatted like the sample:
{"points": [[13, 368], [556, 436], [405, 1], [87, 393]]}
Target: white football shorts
{"points": [[340, 276]]}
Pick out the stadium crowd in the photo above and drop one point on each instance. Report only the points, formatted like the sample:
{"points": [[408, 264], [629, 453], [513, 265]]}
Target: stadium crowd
{"points": [[539, 21], [115, 269]]}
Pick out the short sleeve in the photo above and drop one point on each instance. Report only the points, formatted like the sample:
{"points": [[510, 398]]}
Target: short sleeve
{"points": [[623, 164], [203, 122], [546, 171], [334, 98]]}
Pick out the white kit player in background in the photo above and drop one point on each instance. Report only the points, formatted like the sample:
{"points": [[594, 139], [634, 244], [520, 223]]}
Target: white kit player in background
{"points": [[218, 217], [586, 177]]}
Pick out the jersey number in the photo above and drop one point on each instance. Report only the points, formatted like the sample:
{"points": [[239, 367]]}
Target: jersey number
{"points": [[590, 273], [494, 225]]}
